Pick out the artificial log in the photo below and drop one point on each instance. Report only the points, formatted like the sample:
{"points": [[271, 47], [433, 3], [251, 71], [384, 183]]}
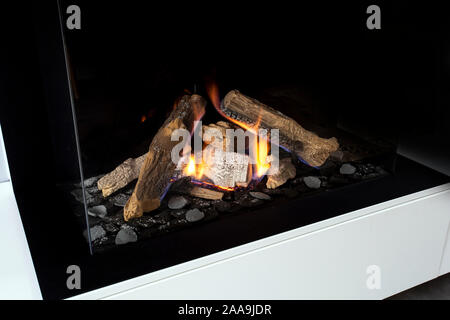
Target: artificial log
{"points": [[305, 144], [205, 193], [125, 173], [286, 171], [185, 186], [158, 168], [221, 126], [227, 169]]}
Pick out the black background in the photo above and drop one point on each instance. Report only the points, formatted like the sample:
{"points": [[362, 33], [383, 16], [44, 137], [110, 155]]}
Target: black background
{"points": [[131, 59], [401, 71]]}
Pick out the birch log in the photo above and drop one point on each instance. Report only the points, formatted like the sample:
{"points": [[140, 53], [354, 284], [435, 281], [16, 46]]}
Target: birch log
{"points": [[121, 176], [305, 144], [158, 168]]}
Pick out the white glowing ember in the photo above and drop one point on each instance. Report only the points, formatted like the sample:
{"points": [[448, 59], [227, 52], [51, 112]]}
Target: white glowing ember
{"points": [[228, 170]]}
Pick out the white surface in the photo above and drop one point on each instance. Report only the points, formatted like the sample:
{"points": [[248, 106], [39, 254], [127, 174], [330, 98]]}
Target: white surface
{"points": [[405, 237], [17, 276], [437, 157], [4, 171], [445, 264]]}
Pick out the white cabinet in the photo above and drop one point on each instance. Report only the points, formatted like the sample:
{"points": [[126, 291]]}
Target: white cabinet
{"points": [[17, 275], [445, 264], [18, 278], [4, 172], [403, 239]]}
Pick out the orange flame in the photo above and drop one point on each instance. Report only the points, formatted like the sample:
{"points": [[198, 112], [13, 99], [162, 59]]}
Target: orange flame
{"points": [[260, 145], [149, 115], [213, 93], [262, 152], [208, 184], [194, 170], [190, 168]]}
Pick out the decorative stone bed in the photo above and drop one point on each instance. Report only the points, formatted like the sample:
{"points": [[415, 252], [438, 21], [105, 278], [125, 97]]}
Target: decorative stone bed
{"points": [[180, 209]]}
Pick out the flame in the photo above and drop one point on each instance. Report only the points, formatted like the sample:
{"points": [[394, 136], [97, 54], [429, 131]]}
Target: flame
{"points": [[194, 170], [262, 152], [209, 184], [190, 168], [200, 170], [149, 115], [213, 93], [261, 143], [259, 146]]}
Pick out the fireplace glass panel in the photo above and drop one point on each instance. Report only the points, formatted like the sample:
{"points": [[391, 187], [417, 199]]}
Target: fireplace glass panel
{"points": [[127, 78]]}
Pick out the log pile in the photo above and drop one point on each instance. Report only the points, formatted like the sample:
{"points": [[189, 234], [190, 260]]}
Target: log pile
{"points": [[156, 171]]}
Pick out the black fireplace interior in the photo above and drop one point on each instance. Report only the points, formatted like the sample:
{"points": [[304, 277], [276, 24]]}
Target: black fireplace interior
{"points": [[129, 64], [126, 77]]}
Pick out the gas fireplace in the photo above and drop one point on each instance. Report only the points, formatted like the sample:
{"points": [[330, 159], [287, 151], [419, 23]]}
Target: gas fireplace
{"points": [[163, 136], [171, 140], [249, 155]]}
